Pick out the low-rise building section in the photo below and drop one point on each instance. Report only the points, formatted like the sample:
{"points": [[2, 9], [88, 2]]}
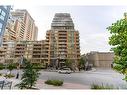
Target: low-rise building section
{"points": [[100, 59], [34, 51]]}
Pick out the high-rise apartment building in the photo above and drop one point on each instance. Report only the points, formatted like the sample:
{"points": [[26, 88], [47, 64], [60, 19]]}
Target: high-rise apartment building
{"points": [[62, 41], [19, 29], [30, 32], [10, 33], [61, 44], [4, 15], [35, 33]]}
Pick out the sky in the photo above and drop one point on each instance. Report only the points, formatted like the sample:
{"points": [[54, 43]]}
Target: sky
{"points": [[90, 21]]}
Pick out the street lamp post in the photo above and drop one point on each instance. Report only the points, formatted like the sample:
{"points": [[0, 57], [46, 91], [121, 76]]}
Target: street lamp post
{"points": [[18, 67], [56, 63]]}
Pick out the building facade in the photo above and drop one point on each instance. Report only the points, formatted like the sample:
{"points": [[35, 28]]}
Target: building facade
{"points": [[4, 15], [34, 51], [10, 33], [27, 23], [100, 59], [62, 41]]}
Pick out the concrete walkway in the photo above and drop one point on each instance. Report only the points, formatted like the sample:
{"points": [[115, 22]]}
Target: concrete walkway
{"points": [[41, 85]]}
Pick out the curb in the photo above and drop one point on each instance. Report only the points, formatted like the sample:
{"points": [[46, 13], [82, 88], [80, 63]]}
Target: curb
{"points": [[93, 70]]}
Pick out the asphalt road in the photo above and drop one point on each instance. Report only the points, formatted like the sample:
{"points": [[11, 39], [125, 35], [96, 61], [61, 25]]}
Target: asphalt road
{"points": [[99, 76]]}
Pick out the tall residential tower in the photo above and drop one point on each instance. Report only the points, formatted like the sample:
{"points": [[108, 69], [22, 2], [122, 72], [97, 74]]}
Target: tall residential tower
{"points": [[30, 32], [62, 41]]}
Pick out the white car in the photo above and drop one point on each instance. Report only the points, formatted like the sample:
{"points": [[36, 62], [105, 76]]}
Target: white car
{"points": [[65, 71]]}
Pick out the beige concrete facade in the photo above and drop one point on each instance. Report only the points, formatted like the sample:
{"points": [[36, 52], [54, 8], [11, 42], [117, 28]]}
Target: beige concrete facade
{"points": [[62, 40], [32, 50], [20, 29], [61, 43], [35, 33], [30, 32], [100, 59], [10, 33], [15, 30]]}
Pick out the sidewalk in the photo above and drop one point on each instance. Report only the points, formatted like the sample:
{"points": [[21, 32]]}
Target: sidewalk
{"points": [[41, 85]]}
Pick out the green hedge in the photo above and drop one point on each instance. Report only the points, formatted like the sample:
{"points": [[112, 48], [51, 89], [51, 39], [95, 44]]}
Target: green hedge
{"points": [[54, 82], [2, 66], [12, 66], [9, 76], [0, 74], [95, 86]]}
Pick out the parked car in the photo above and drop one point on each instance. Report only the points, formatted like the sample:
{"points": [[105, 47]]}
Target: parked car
{"points": [[65, 71]]}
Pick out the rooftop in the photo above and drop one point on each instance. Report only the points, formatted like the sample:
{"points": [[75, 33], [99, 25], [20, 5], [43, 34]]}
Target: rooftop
{"points": [[62, 19]]}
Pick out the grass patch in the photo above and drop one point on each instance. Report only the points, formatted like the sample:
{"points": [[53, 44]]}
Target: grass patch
{"points": [[54, 82], [9, 76], [95, 86]]}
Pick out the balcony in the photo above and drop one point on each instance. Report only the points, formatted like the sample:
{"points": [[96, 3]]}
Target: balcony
{"points": [[36, 49], [36, 56], [62, 35], [62, 32], [63, 46], [36, 52], [47, 37], [19, 49], [62, 42], [61, 50]]}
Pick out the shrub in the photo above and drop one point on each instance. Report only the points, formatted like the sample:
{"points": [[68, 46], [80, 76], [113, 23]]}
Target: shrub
{"points": [[11, 66], [29, 76], [1, 66], [0, 74], [38, 66], [54, 82], [95, 86], [9, 76]]}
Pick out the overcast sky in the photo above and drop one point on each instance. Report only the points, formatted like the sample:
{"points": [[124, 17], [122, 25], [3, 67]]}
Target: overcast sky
{"points": [[90, 21]]}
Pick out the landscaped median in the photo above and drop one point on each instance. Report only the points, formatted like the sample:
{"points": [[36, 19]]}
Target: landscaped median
{"points": [[95, 86], [42, 85], [54, 82]]}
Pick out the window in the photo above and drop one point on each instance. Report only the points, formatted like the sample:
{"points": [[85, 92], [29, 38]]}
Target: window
{"points": [[0, 31], [3, 13], [5, 7], [1, 17], [0, 25]]}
